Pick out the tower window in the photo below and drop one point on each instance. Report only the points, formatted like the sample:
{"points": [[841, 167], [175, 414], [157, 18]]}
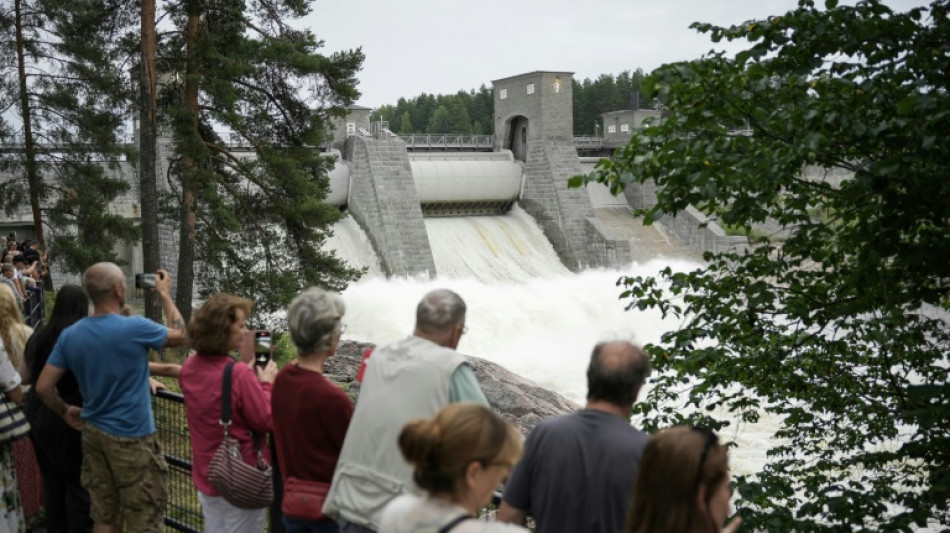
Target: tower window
{"points": [[530, 88], [502, 94], [612, 128], [625, 127]]}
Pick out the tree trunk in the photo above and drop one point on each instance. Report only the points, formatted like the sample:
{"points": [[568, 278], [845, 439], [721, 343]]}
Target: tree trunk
{"points": [[32, 175], [186, 241], [148, 163]]}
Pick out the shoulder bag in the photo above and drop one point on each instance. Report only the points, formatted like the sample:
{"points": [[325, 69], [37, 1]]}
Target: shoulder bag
{"points": [[303, 499], [13, 425], [240, 484]]}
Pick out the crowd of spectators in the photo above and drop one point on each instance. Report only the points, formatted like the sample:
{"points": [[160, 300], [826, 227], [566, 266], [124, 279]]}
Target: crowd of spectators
{"points": [[421, 451], [22, 267]]}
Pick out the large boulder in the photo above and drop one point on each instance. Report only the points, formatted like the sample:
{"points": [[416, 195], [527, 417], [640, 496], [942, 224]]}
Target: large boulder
{"points": [[517, 399]]}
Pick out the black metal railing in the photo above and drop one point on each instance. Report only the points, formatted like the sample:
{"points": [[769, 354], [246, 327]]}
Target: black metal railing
{"points": [[34, 308], [183, 512]]}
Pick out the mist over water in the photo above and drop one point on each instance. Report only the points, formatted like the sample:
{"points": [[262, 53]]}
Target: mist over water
{"points": [[526, 311]]}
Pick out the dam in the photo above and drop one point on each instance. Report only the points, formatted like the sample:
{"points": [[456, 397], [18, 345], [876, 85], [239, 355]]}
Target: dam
{"points": [[394, 189]]}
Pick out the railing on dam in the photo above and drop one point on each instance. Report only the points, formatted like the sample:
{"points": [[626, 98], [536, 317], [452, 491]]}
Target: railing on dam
{"points": [[449, 141], [458, 142], [589, 142]]}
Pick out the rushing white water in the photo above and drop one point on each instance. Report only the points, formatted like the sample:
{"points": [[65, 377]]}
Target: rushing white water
{"points": [[504, 249], [526, 311], [350, 242]]}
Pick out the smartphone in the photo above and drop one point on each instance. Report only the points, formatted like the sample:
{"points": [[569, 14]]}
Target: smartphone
{"points": [[262, 345], [145, 281]]}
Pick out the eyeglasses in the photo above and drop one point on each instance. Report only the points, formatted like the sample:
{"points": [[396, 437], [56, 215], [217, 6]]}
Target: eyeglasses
{"points": [[711, 439], [501, 464]]}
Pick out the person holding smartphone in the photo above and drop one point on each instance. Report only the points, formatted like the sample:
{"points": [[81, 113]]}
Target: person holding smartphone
{"points": [[219, 327], [107, 353]]}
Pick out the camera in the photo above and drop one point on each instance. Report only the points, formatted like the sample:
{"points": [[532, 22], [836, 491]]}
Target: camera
{"points": [[145, 281], [262, 347]]}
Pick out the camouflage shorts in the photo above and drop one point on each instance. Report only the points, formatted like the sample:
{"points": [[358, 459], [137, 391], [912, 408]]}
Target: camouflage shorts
{"points": [[126, 478]]}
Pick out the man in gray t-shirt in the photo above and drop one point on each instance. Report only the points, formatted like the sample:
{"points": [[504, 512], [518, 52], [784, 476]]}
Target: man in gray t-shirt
{"points": [[578, 471]]}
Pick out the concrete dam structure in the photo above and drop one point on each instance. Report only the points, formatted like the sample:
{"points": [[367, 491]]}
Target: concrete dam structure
{"points": [[390, 188], [390, 191]]}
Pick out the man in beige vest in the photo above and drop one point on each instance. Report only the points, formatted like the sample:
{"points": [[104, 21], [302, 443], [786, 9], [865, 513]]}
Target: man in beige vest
{"points": [[408, 379]]}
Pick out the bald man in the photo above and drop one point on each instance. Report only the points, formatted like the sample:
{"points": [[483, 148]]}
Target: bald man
{"points": [[578, 471], [123, 468]]}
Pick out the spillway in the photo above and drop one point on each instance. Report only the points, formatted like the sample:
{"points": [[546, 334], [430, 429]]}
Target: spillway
{"points": [[502, 248], [350, 242]]}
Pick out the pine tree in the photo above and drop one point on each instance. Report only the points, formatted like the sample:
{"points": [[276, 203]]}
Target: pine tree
{"points": [[458, 120], [257, 226], [405, 123], [439, 123], [148, 150], [71, 99]]}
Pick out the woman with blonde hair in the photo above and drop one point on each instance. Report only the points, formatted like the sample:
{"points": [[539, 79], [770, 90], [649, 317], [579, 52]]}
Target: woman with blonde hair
{"points": [[13, 331], [682, 484], [11, 508], [459, 458], [14, 334], [219, 327]]}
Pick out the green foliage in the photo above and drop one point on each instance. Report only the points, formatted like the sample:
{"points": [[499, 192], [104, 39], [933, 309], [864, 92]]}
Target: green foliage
{"points": [[261, 222], [606, 93], [285, 351], [439, 123], [87, 232], [832, 330], [405, 123], [463, 112]]}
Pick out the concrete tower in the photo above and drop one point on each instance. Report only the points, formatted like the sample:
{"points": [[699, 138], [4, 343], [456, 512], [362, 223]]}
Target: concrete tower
{"points": [[531, 107]]}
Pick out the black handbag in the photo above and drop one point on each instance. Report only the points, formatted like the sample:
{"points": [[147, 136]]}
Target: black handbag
{"points": [[240, 484]]}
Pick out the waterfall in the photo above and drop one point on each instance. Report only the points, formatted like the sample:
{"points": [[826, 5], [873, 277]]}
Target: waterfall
{"points": [[526, 311]]}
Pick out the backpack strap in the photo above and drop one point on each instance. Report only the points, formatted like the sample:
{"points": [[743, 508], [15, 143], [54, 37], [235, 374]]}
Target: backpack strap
{"points": [[451, 525]]}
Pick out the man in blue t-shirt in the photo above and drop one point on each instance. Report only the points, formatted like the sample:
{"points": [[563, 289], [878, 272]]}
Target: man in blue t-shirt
{"points": [[123, 468], [578, 471]]}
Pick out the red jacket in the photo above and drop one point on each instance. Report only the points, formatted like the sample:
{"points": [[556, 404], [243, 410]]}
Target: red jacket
{"points": [[200, 382]]}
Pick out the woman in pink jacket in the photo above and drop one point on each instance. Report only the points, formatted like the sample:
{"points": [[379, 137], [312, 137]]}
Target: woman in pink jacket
{"points": [[217, 328]]}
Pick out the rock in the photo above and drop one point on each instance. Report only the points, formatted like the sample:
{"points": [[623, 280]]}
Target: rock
{"points": [[517, 399]]}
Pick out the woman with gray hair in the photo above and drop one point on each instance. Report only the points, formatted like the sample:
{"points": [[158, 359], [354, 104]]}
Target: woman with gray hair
{"points": [[311, 413]]}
